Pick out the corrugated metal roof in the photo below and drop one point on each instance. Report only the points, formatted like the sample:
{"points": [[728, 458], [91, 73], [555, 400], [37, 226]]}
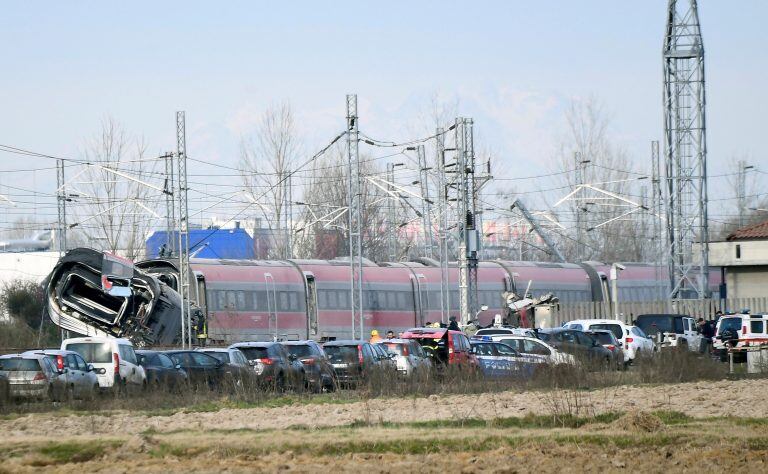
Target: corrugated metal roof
{"points": [[750, 232], [209, 243]]}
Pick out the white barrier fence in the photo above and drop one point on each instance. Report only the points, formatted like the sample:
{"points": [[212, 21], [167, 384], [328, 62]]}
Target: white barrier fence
{"points": [[629, 310]]}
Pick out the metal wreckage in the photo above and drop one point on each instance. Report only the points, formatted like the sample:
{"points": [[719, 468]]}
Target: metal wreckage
{"points": [[96, 293]]}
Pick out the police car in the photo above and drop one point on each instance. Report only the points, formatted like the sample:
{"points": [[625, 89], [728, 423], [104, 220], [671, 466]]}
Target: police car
{"points": [[535, 349], [497, 360]]}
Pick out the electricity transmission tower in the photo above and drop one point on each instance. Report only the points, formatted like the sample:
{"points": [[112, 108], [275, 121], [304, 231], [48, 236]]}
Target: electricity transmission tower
{"points": [[685, 151], [468, 236], [442, 213], [354, 218], [170, 206], [183, 248]]}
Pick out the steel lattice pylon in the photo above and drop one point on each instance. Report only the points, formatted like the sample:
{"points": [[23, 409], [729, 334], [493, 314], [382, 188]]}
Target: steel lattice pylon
{"points": [[469, 241], [183, 247], [685, 151]]}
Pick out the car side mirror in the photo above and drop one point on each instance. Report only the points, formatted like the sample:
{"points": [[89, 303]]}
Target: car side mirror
{"points": [[177, 366], [251, 362], [292, 357], [89, 368], [101, 371], [391, 356], [621, 344]]}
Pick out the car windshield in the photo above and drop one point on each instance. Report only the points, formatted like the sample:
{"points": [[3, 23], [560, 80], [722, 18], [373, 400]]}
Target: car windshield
{"points": [[92, 352], [341, 353], [652, 324], [395, 348], [221, 356], [300, 351], [253, 353], [145, 359], [492, 332], [730, 324], [602, 337], [614, 328], [18, 364]]}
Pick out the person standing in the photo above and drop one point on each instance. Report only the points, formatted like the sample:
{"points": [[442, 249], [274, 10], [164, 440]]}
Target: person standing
{"points": [[375, 337], [707, 333]]}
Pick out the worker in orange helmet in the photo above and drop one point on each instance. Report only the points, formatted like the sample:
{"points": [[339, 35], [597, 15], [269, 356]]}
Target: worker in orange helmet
{"points": [[375, 337]]}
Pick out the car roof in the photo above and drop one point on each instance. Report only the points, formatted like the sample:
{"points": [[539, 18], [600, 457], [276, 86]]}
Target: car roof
{"points": [[298, 343], [238, 345], [596, 321], [50, 352], [119, 340], [345, 342], [22, 356], [396, 341], [215, 349]]}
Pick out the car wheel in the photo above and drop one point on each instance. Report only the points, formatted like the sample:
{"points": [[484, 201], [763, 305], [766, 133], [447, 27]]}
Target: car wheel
{"points": [[51, 393], [69, 394], [280, 383]]}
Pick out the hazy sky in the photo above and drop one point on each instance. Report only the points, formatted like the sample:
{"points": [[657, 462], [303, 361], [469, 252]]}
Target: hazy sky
{"points": [[512, 66]]}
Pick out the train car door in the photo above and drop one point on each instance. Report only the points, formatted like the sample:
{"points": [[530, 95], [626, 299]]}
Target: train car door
{"points": [[271, 303], [312, 329], [202, 303]]}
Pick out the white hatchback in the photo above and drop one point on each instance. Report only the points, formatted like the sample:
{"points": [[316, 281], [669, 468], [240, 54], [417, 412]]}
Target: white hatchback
{"points": [[115, 356], [531, 346], [633, 340]]}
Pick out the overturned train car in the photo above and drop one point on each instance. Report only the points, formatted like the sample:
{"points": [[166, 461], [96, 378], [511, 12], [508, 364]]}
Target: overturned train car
{"points": [[98, 294]]}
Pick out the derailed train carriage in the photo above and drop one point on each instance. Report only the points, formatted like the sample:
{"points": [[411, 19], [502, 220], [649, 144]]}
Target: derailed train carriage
{"points": [[247, 300]]}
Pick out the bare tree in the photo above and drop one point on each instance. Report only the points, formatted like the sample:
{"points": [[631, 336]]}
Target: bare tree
{"points": [[323, 232], [588, 150], [267, 158], [111, 206]]}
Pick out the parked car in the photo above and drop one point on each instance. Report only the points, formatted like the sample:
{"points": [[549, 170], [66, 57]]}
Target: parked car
{"points": [[497, 360], [203, 370], [634, 341], [161, 371], [409, 357], [579, 344], [116, 356], [238, 364], [353, 361], [502, 330], [533, 347], [79, 377], [444, 346], [273, 365], [386, 360], [737, 331], [671, 330], [317, 368], [608, 340], [32, 377]]}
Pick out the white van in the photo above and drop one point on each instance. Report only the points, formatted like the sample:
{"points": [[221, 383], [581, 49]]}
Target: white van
{"points": [[739, 330], [114, 361]]}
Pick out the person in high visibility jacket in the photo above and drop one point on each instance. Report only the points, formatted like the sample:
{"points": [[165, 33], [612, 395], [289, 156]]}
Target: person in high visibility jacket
{"points": [[375, 337]]}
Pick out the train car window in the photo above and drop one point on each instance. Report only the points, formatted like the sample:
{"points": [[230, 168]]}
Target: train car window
{"points": [[240, 295], [211, 299], [282, 300], [293, 300], [454, 299], [391, 300], [221, 300], [401, 304], [370, 300], [231, 303], [333, 300], [322, 299], [381, 299], [344, 299]]}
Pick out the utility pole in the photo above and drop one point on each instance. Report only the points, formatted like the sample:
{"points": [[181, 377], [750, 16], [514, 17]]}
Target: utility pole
{"points": [[61, 200], [183, 249], [170, 206], [469, 239], [426, 203], [741, 187], [442, 205], [289, 216], [580, 207], [355, 225], [685, 150]]}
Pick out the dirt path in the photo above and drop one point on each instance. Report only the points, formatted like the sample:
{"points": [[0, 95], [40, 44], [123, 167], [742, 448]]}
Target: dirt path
{"points": [[701, 399]]}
